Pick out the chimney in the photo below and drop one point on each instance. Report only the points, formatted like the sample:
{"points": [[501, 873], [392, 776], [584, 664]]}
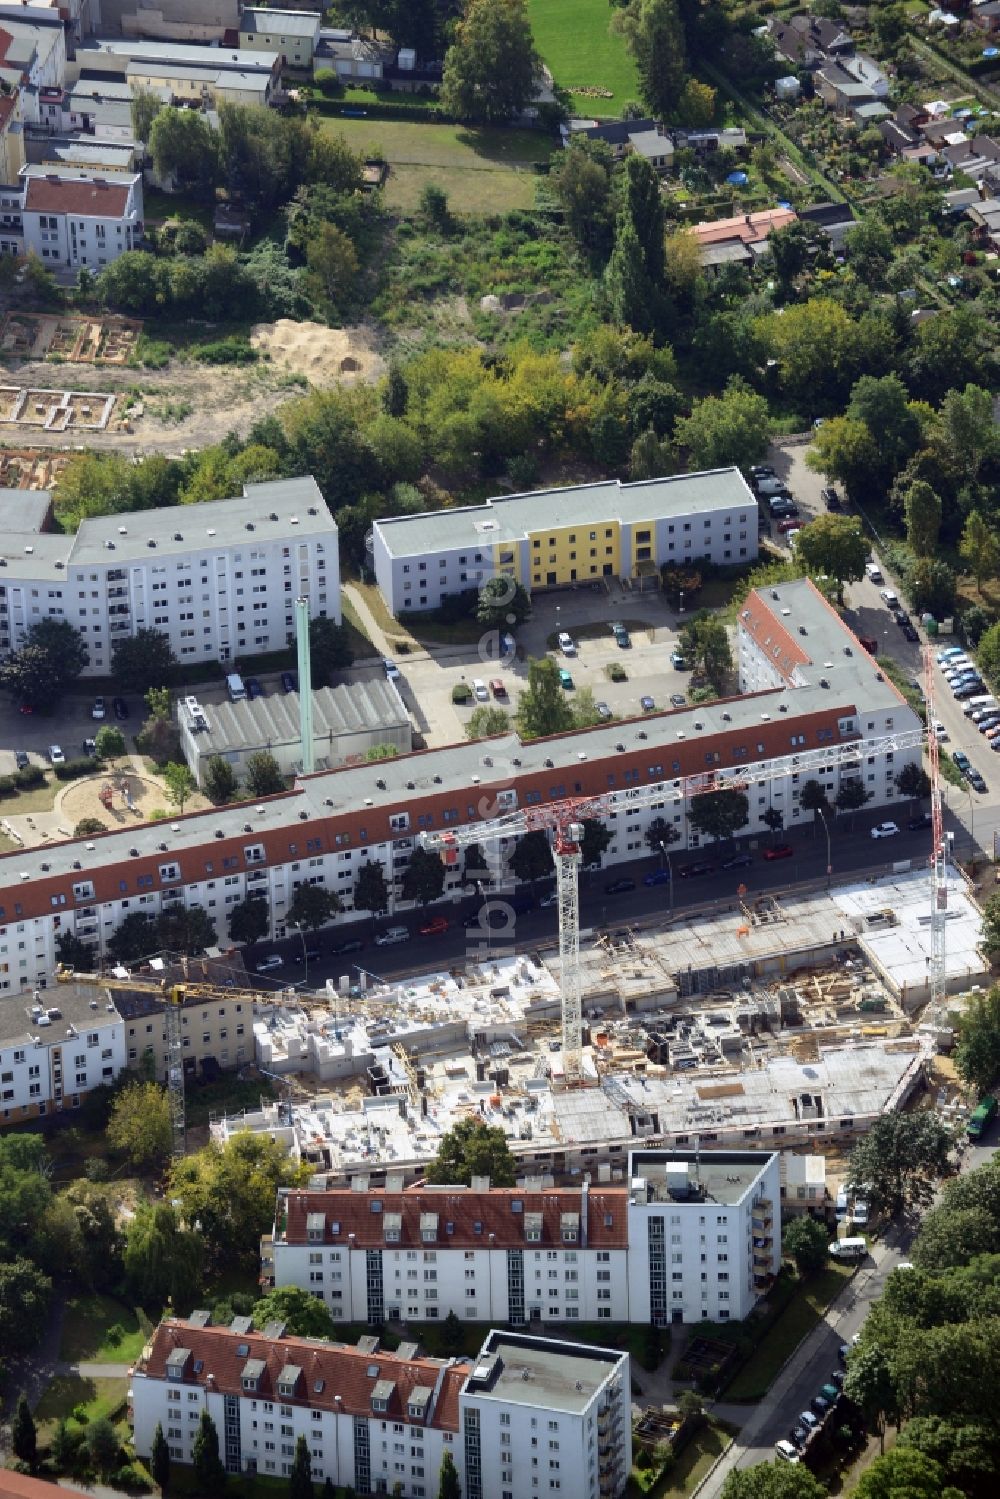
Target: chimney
{"points": [[479, 1183]]}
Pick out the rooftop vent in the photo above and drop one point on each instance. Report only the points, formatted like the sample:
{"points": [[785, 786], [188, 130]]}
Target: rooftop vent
{"points": [[175, 827], [437, 780], [487, 759], [46, 866], [178, 536], [273, 515], [248, 827], [515, 761], [77, 864], [620, 748], [162, 847], [89, 846], [134, 853], [328, 801], [411, 785], [698, 724], [260, 811], [151, 542], [303, 817], [782, 707], [550, 765], [848, 651], [210, 531], [803, 630], [727, 718], [786, 613], [122, 531], [774, 593], [219, 833], [380, 785], [824, 682], [250, 525], [581, 754]]}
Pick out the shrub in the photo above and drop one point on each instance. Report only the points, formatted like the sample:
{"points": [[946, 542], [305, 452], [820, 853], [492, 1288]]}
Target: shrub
{"points": [[31, 775], [96, 1169], [152, 353], [461, 693], [115, 1334], [8, 786], [72, 770], [130, 1476], [231, 350]]}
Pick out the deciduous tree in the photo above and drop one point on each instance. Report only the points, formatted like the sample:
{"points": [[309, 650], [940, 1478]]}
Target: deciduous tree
{"points": [[330, 649], [143, 659], [312, 906], [502, 603], [249, 920], [24, 1303], [473, 1148], [772, 1481], [901, 1158], [231, 1189], [371, 893], [655, 36], [835, 545], [977, 1055], [263, 775], [140, 1125], [979, 549], [543, 708], [178, 784], [485, 721], [185, 929], [184, 146], [220, 782], [807, 1241], [163, 1261], [734, 428], [491, 67], [304, 1315], [109, 742], [922, 511], [46, 665], [531, 858], [719, 814], [424, 877]]}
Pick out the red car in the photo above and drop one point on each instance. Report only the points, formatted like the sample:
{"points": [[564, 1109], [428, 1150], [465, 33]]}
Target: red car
{"points": [[779, 851], [785, 527], [434, 927]]}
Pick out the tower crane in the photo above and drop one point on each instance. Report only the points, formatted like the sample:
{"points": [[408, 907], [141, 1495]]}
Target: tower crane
{"points": [[939, 857], [564, 819], [175, 997]]}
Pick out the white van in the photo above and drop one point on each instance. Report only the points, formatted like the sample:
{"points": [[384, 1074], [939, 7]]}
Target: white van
{"points": [[392, 935], [985, 702], [849, 1249], [841, 1204], [235, 687], [785, 1451]]}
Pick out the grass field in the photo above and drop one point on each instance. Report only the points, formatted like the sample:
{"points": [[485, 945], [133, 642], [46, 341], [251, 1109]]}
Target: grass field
{"points": [[98, 1397], [85, 1331], [804, 1310], [580, 51], [482, 171]]}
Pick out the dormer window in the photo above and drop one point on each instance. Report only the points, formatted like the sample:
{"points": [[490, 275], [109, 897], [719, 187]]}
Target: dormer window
{"points": [[393, 1227], [533, 1227], [570, 1227], [288, 1381], [429, 1227], [315, 1226], [253, 1373], [381, 1395]]}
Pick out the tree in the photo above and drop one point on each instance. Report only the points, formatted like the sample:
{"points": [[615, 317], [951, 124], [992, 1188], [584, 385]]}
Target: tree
{"points": [[376, 753], [808, 1242], [719, 814], [531, 858], [185, 929], [696, 106], [178, 783], [851, 797], [595, 840], [304, 1315], [584, 708], [812, 798], [159, 1460], [869, 1383], [931, 584], [656, 39], [263, 775], [502, 603], [333, 267], [789, 251], [133, 938], [882, 403], [146, 105], [46, 666], [424, 877], [219, 781], [300, 1482], [491, 67], [184, 146], [706, 640], [734, 428], [330, 649], [773, 820], [449, 1485], [103, 1446], [989, 652], [913, 781], [143, 658], [452, 1333], [486, 721], [580, 178], [473, 1148], [24, 1304], [542, 708], [922, 511], [109, 742], [208, 1469], [901, 1157], [64, 1446], [140, 1124], [660, 835], [70, 949], [967, 1453], [231, 1189], [905, 1473], [312, 906], [977, 1055], [642, 204], [371, 893], [249, 919], [835, 545], [163, 1261], [23, 1437], [772, 1481], [979, 549], [844, 449], [631, 295], [395, 392]]}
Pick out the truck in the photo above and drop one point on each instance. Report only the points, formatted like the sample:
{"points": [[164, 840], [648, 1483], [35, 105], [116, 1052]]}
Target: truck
{"points": [[982, 1117]]}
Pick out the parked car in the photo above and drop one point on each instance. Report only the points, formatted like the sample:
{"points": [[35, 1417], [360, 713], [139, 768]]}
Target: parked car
{"points": [[435, 927], [779, 851], [884, 830], [603, 711], [938, 730], [874, 572], [922, 820], [786, 527], [798, 1436], [120, 707], [830, 498], [693, 871], [622, 638], [837, 1377], [820, 1404], [976, 781], [353, 944], [311, 955], [657, 877], [619, 887], [785, 1452], [737, 861], [889, 598], [770, 485], [902, 618], [761, 471], [948, 654], [392, 936], [961, 759], [254, 689], [830, 1392], [90, 748], [677, 699], [677, 661], [99, 710], [566, 643], [272, 961], [479, 690], [808, 1419], [288, 683], [647, 704], [988, 721], [21, 761], [565, 679], [910, 634], [391, 669], [498, 689], [56, 755]]}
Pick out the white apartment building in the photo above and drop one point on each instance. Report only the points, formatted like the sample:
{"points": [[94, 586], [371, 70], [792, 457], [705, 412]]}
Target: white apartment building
{"points": [[539, 1414], [32, 53], [71, 216], [55, 1048], [555, 537], [694, 1237], [219, 579]]}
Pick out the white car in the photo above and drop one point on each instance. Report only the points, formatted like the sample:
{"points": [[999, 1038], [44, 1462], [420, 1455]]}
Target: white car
{"points": [[874, 571], [785, 1451], [885, 830], [859, 1213], [888, 597], [480, 690], [393, 936], [938, 730], [273, 960], [98, 710], [567, 644], [56, 755], [391, 669]]}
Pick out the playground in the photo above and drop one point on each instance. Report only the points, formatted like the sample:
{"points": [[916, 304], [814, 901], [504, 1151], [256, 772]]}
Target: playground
{"points": [[119, 797]]}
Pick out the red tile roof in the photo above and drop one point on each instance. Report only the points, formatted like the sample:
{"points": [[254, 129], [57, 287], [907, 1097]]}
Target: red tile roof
{"points": [[500, 1225], [20, 1486], [747, 227], [780, 646], [347, 1374], [87, 198]]}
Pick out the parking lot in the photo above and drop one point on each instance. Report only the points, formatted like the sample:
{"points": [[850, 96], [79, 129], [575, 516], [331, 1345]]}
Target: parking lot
{"points": [[68, 726]]}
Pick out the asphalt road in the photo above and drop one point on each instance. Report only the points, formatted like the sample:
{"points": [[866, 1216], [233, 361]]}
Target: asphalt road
{"points": [[853, 852]]}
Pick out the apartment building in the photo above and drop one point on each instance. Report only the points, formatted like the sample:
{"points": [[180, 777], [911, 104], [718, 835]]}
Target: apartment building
{"points": [[206, 76], [216, 1036], [829, 694], [550, 538], [72, 217], [218, 579], [538, 1415], [53, 1054], [693, 1237], [32, 53]]}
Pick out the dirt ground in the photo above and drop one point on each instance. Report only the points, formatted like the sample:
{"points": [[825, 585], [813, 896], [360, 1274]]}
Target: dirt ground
{"points": [[82, 799], [221, 398]]}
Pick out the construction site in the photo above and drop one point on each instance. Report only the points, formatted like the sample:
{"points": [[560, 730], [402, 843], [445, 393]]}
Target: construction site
{"points": [[64, 338], [56, 410], [791, 1023]]}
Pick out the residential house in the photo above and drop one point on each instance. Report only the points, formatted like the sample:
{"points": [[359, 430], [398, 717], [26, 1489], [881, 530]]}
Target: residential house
{"points": [[840, 90], [70, 217], [11, 137], [185, 74], [985, 217], [353, 57], [808, 41], [32, 54], [292, 33], [623, 137], [706, 142], [741, 240], [53, 1055], [986, 17], [835, 219]]}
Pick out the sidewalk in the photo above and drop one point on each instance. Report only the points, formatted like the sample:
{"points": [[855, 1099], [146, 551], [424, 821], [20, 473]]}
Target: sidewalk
{"points": [[93, 1371]]}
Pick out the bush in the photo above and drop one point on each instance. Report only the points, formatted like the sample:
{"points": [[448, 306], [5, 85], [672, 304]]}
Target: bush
{"points": [[96, 1169], [115, 1334], [153, 353], [72, 770], [31, 775], [231, 350], [328, 83], [617, 672], [130, 1476], [8, 786], [461, 693]]}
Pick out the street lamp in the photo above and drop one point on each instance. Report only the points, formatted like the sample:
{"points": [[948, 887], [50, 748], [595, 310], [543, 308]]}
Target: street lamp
{"points": [[829, 856], [670, 871], [305, 951]]}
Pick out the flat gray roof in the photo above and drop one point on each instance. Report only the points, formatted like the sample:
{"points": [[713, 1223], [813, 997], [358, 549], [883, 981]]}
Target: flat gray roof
{"points": [[264, 513], [285, 22], [274, 719], [537, 1372], [79, 1005], [30, 555], [24, 509], [179, 53], [513, 517], [722, 1177]]}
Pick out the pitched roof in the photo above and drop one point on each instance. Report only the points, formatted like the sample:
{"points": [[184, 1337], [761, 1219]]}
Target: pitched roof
{"points": [[747, 227], [501, 1224], [88, 199], [335, 1376]]}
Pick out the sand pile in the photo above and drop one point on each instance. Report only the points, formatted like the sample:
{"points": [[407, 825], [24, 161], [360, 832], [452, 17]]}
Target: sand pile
{"points": [[318, 352]]}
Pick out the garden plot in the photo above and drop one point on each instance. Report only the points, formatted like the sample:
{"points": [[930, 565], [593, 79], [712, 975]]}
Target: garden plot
{"points": [[77, 340], [56, 411]]}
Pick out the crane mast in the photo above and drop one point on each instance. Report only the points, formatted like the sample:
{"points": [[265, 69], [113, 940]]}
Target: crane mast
{"points": [[939, 855]]}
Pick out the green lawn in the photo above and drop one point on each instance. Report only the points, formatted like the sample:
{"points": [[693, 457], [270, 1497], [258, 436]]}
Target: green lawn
{"points": [[66, 1392], [574, 39], [482, 171], [85, 1331], [683, 1476], [805, 1308]]}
